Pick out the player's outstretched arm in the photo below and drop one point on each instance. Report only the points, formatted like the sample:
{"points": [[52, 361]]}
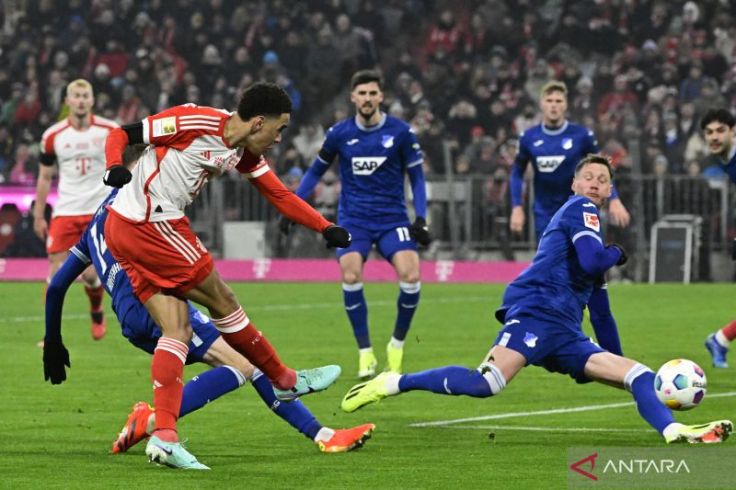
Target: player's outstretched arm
{"points": [[306, 187], [117, 175], [594, 258], [55, 355], [288, 203]]}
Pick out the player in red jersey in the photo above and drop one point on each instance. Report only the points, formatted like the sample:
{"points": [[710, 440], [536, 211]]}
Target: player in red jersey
{"points": [[77, 145], [149, 235]]}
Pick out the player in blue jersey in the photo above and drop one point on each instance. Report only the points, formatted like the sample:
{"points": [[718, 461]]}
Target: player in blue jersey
{"points": [[718, 130], [375, 151], [541, 316], [230, 369], [555, 147]]}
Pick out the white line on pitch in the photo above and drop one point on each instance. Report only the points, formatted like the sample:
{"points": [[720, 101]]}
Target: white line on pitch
{"points": [[585, 408], [271, 307], [540, 429]]}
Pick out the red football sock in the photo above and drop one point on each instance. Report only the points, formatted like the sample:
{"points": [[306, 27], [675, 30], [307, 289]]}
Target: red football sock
{"points": [[95, 297], [243, 336], [167, 369], [729, 331]]}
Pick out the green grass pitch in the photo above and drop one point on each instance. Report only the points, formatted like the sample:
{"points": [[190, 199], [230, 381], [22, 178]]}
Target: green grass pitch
{"points": [[59, 436]]}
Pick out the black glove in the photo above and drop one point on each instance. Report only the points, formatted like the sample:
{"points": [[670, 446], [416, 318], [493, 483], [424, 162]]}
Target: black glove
{"points": [[55, 357], [733, 249], [337, 237], [419, 232], [285, 225], [117, 176], [624, 258]]}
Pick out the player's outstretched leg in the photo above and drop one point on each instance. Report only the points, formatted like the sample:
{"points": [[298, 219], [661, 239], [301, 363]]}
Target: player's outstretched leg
{"points": [[483, 382], [713, 432], [640, 382], [172, 454], [309, 381], [718, 343], [344, 440], [138, 427], [199, 391], [244, 337], [298, 416]]}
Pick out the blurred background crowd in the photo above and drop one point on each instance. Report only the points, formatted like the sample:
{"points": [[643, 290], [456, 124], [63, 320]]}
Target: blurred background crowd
{"points": [[466, 75]]}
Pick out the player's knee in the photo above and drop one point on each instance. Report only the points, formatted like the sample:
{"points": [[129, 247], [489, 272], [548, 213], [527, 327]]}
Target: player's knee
{"points": [[493, 376], [351, 277]]}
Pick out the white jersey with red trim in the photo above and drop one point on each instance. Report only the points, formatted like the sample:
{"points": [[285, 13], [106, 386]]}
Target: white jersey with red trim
{"points": [[187, 149], [80, 155]]}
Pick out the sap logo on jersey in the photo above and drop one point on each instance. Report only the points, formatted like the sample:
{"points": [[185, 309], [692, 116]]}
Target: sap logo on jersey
{"points": [[549, 164], [366, 165]]}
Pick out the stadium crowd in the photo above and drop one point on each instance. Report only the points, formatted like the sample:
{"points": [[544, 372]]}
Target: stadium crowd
{"points": [[464, 72]]}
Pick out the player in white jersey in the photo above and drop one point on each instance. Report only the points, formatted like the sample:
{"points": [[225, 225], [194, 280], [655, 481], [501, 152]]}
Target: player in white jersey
{"points": [[77, 145], [150, 237]]}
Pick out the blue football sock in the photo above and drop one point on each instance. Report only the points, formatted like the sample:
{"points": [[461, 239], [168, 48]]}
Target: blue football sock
{"points": [[604, 325], [449, 380], [406, 306], [640, 381], [357, 310], [209, 386], [295, 413]]}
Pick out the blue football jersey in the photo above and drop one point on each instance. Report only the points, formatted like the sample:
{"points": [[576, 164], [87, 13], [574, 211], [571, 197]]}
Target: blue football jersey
{"points": [[372, 164], [730, 166], [92, 248], [554, 286], [554, 155]]}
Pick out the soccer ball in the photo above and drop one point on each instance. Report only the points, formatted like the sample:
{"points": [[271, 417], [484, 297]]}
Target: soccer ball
{"points": [[680, 384]]}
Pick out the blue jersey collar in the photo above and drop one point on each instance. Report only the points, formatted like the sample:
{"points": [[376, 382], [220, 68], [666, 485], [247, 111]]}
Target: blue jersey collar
{"points": [[371, 128], [554, 132]]}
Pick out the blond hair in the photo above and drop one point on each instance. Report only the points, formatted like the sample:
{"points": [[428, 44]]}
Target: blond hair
{"points": [[81, 83], [553, 86]]}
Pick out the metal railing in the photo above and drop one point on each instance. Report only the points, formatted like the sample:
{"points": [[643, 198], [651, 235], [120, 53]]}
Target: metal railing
{"points": [[468, 214]]}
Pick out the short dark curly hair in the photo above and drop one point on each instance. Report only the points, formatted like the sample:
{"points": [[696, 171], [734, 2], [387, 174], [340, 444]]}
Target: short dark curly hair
{"points": [[263, 99], [717, 115]]}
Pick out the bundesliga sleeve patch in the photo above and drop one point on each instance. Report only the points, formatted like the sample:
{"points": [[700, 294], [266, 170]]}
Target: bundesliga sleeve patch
{"points": [[164, 126], [591, 221]]}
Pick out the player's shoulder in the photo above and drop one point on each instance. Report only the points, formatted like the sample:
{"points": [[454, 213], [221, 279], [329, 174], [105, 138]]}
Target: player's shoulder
{"points": [[56, 128], [104, 122], [393, 122], [580, 203], [343, 125], [190, 109], [529, 133], [580, 129]]}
